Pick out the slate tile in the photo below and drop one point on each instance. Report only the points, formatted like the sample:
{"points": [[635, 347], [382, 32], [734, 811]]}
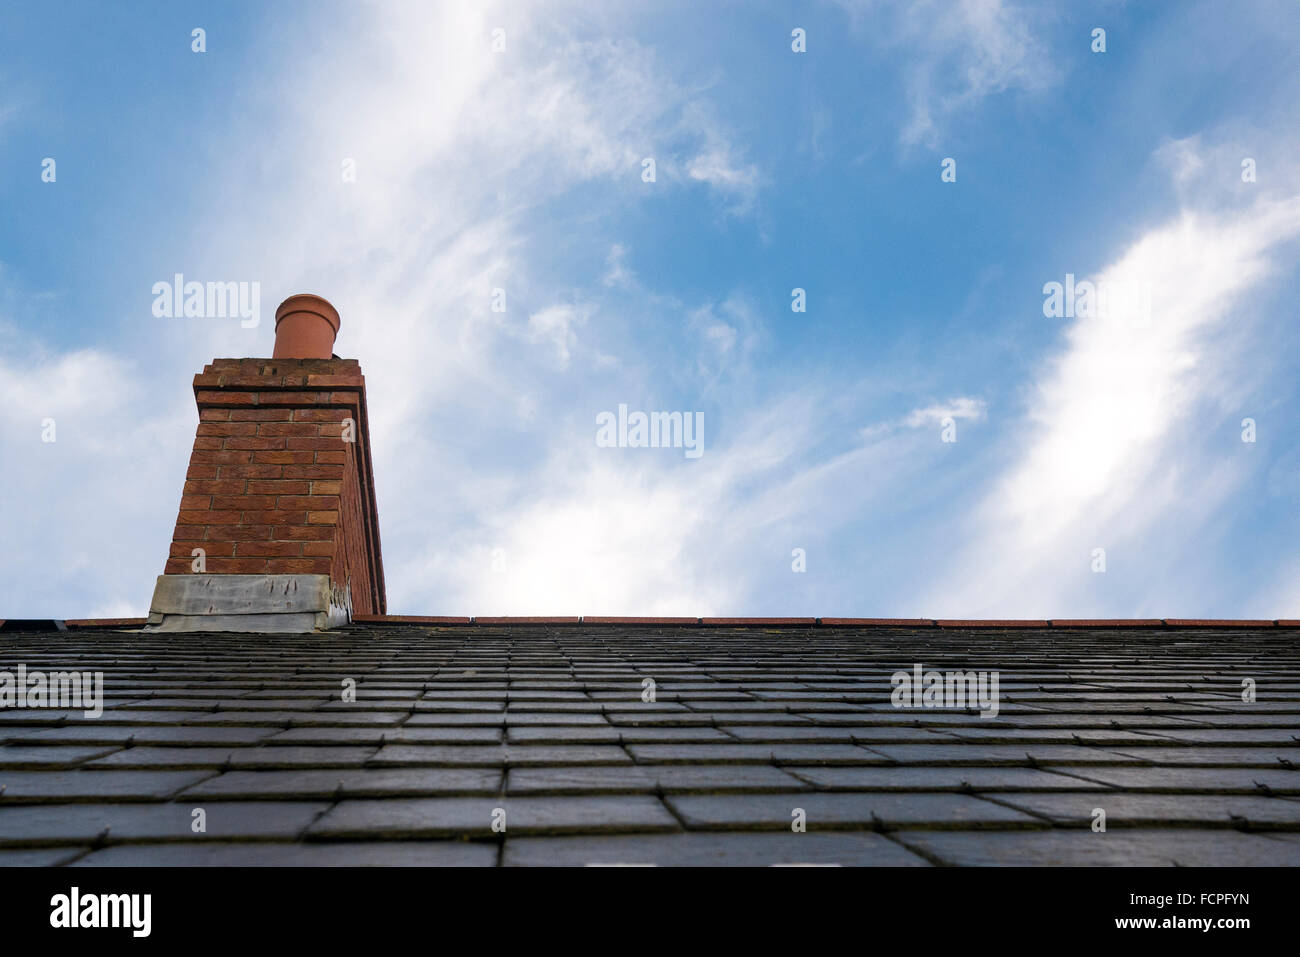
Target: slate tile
{"points": [[82, 823], [1215, 757], [348, 854], [913, 778], [670, 778], [1242, 737], [260, 757], [847, 849], [858, 734], [581, 734], [469, 719], [377, 736], [345, 782], [39, 856], [754, 753], [836, 810], [1188, 779], [35, 756], [514, 755], [999, 754], [439, 817], [1127, 848], [122, 734], [89, 785], [520, 719], [1161, 810]]}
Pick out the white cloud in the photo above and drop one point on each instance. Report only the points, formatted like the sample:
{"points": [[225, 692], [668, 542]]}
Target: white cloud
{"points": [[962, 407], [956, 54], [556, 326], [1113, 453], [619, 273]]}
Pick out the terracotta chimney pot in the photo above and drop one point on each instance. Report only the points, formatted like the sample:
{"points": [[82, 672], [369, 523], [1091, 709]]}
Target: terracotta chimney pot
{"points": [[305, 327]]}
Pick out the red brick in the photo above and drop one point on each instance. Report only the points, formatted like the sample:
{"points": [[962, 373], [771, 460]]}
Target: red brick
{"points": [[332, 472], [188, 533], [214, 487], [260, 415], [196, 502], [244, 502], [278, 487], [275, 516], [269, 549], [214, 415], [336, 381], [874, 622], [298, 566], [303, 533], [625, 620], [220, 458], [315, 443], [296, 429], [315, 549], [990, 623], [239, 533], [227, 398], [227, 428], [205, 517], [251, 471], [283, 458], [331, 458], [322, 518], [237, 566], [186, 549], [209, 442], [527, 620], [293, 398], [759, 622], [204, 471], [326, 488], [309, 502], [1106, 623], [251, 381], [320, 415], [256, 443], [1219, 623]]}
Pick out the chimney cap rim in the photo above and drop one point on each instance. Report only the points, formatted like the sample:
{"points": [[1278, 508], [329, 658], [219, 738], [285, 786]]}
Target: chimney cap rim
{"points": [[312, 303]]}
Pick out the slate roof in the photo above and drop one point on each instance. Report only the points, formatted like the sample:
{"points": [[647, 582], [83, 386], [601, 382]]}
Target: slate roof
{"points": [[750, 721]]}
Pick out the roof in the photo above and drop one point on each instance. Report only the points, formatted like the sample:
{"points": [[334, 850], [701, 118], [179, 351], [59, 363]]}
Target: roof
{"points": [[455, 723]]}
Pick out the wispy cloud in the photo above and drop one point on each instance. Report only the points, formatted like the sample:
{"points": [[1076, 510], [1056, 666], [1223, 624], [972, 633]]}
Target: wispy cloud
{"points": [[1113, 446], [963, 407], [957, 54]]}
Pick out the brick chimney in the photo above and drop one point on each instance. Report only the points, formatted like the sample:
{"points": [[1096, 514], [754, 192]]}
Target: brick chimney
{"points": [[278, 529]]}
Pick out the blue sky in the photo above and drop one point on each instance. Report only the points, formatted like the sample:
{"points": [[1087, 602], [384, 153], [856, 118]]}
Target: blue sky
{"points": [[522, 170]]}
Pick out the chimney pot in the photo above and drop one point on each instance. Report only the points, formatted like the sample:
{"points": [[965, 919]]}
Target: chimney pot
{"points": [[305, 327]]}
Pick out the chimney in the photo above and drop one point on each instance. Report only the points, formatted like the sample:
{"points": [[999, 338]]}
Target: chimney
{"points": [[278, 529]]}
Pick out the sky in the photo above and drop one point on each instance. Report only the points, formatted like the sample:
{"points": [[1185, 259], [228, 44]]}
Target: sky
{"points": [[922, 439]]}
